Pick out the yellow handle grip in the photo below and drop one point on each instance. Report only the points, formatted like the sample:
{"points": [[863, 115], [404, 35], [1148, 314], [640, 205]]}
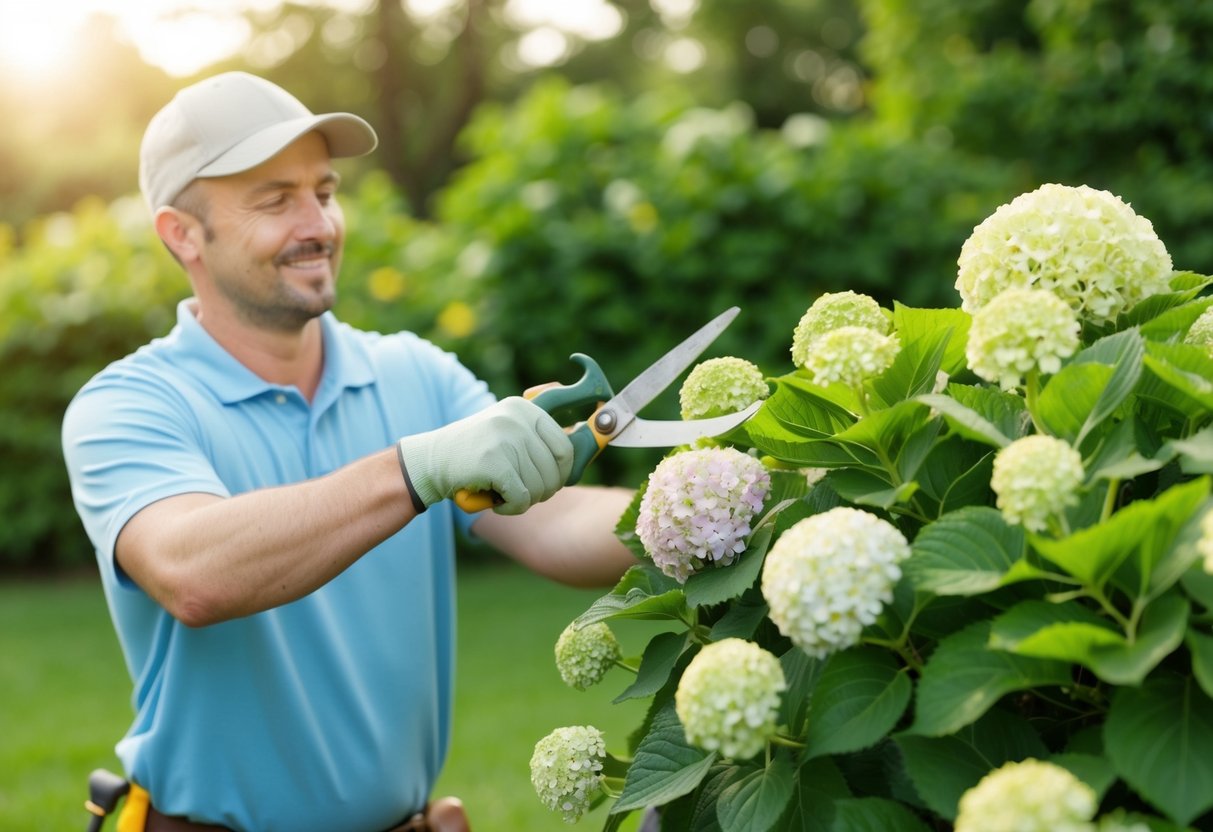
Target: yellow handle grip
{"points": [[473, 501]]}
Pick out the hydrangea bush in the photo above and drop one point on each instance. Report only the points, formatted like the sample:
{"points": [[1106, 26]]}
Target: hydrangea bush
{"points": [[962, 582]]}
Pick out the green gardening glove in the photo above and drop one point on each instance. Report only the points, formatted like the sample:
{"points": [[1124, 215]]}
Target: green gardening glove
{"points": [[513, 448]]}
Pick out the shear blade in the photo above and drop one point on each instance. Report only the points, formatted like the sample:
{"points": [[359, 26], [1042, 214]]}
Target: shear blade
{"points": [[644, 433], [661, 373]]}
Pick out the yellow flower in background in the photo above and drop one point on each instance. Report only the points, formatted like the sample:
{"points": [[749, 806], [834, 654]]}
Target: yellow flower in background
{"points": [[457, 319], [642, 217], [386, 284]]}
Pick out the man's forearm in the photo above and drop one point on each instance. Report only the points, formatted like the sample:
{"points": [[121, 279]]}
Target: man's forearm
{"points": [[208, 559]]}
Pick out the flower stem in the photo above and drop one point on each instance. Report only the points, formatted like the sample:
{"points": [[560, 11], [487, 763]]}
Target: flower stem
{"points": [[1109, 502], [785, 741], [900, 647], [1031, 392], [626, 666]]}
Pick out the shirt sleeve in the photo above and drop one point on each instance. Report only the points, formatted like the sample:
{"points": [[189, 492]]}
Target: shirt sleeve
{"points": [[129, 441]]}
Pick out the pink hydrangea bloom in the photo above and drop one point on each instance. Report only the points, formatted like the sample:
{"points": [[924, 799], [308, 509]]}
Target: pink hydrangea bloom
{"points": [[697, 509]]}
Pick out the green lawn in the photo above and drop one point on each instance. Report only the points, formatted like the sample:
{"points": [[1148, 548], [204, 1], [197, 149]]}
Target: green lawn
{"points": [[64, 698]]}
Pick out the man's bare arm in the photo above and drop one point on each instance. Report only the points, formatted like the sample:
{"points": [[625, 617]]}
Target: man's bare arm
{"points": [[570, 538], [207, 559]]}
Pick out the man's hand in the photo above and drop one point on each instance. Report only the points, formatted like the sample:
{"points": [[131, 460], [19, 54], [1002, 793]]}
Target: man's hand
{"points": [[513, 448]]}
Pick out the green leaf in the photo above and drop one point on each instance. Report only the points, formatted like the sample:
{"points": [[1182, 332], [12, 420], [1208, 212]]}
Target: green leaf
{"points": [[715, 585], [1072, 633], [1160, 633], [741, 618], [1178, 378], [664, 767], [1163, 316], [1201, 648], [944, 768], [1069, 399], [799, 406], [965, 421], [966, 552], [755, 802], [1119, 455], [1158, 736], [875, 814], [956, 474], [660, 656], [1066, 632], [819, 786], [1006, 411], [1195, 453], [869, 489], [924, 346], [1199, 586], [1124, 352], [704, 818], [883, 433], [1097, 772], [964, 678], [1141, 532], [860, 696], [801, 672], [922, 326], [644, 593]]}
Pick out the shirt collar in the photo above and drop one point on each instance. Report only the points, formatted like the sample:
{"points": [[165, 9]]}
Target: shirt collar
{"points": [[346, 362]]}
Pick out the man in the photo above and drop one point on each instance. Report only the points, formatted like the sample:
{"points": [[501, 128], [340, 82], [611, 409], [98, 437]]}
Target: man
{"points": [[267, 490]]}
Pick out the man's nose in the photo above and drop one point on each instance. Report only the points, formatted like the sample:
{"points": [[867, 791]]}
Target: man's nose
{"points": [[316, 220]]}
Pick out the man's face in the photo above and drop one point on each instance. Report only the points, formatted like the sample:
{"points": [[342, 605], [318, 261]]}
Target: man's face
{"points": [[273, 237]]}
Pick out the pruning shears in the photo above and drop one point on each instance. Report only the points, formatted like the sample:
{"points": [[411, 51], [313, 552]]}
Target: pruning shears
{"points": [[613, 420]]}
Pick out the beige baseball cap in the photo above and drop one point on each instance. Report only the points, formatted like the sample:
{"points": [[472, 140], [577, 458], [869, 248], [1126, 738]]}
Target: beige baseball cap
{"points": [[230, 123]]}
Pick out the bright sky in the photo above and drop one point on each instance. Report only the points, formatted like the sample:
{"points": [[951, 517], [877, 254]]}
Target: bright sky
{"points": [[183, 36]]}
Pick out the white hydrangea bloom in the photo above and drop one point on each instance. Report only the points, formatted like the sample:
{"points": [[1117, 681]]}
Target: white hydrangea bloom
{"points": [[1084, 245], [584, 656], [1019, 331], [829, 576], [1028, 796], [1205, 544], [697, 508], [1200, 334], [728, 698], [566, 769], [1035, 477], [851, 355], [831, 311], [720, 386]]}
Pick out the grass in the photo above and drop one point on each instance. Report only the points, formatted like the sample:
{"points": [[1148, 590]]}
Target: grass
{"points": [[65, 698]]}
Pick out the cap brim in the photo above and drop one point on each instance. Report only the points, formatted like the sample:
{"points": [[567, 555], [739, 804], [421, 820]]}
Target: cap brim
{"points": [[346, 134]]}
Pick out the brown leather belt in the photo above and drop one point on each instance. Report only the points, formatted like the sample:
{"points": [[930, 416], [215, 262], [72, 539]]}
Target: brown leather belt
{"points": [[160, 822]]}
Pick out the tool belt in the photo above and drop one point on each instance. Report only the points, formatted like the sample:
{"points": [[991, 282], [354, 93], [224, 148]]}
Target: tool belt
{"points": [[138, 815]]}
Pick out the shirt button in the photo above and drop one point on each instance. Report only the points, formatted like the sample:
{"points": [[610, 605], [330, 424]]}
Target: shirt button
{"points": [[280, 398]]}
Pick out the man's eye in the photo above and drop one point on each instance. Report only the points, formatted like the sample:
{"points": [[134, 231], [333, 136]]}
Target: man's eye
{"points": [[274, 202], [326, 197]]}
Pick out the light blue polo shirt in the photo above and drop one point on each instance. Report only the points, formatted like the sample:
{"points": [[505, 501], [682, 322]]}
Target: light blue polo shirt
{"points": [[329, 713]]}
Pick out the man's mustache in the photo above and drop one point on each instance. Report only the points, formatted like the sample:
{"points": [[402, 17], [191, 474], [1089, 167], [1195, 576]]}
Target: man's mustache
{"points": [[304, 251]]}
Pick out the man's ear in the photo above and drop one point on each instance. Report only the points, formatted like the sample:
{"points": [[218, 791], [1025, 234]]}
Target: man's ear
{"points": [[181, 232]]}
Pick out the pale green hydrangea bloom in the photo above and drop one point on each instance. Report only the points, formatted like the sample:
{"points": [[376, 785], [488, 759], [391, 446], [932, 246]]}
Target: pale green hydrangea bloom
{"points": [[566, 769], [1084, 245], [1019, 331], [583, 656], [1205, 544], [831, 311], [830, 575], [1028, 796], [697, 508], [1200, 334], [851, 355], [1118, 822], [1035, 477], [720, 386], [728, 698]]}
